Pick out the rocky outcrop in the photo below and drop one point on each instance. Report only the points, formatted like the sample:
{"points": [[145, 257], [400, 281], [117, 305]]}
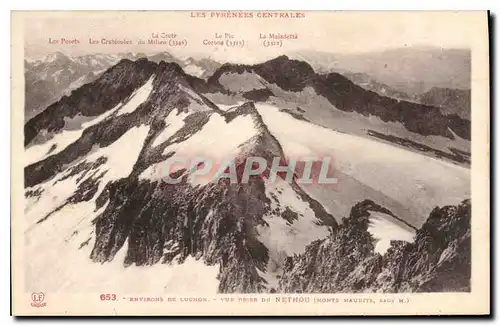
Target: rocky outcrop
{"points": [[114, 87], [218, 222], [157, 221], [439, 259], [162, 221]]}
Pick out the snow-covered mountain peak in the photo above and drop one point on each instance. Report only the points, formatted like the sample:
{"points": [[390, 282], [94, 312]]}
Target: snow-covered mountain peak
{"points": [[109, 151], [45, 85], [52, 57]]}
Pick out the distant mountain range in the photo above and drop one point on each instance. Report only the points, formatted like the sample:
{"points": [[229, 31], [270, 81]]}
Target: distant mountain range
{"points": [[450, 101], [432, 76], [424, 75], [57, 74], [369, 83], [100, 210], [411, 70]]}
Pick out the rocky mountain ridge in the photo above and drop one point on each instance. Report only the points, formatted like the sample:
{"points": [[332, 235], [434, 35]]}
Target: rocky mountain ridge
{"points": [[437, 261], [101, 153], [294, 76], [412, 70], [57, 74]]}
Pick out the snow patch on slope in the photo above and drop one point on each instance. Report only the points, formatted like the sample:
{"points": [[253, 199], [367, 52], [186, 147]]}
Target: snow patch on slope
{"points": [[320, 111], [57, 250], [138, 97], [61, 140], [281, 235], [218, 141], [174, 122], [384, 231], [57, 257], [57, 190]]}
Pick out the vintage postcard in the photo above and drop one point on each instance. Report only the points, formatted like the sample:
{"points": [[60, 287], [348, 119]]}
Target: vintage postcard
{"points": [[250, 163]]}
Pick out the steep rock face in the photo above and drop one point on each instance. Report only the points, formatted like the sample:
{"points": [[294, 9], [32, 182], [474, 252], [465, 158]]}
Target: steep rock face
{"points": [[138, 115], [156, 221], [57, 74], [439, 259], [217, 222], [117, 83], [110, 91], [421, 119]]}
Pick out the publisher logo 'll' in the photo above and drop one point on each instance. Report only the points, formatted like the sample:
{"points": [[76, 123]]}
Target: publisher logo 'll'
{"points": [[37, 299]]}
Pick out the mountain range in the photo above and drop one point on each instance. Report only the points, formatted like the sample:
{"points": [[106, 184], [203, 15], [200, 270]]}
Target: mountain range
{"points": [[427, 75], [57, 74], [412, 70], [100, 210]]}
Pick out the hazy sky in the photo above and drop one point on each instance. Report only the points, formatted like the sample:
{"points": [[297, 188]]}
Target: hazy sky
{"points": [[337, 32]]}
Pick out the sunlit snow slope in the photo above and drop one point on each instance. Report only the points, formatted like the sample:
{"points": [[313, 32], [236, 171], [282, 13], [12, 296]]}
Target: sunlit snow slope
{"points": [[99, 212], [407, 183], [60, 234]]}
